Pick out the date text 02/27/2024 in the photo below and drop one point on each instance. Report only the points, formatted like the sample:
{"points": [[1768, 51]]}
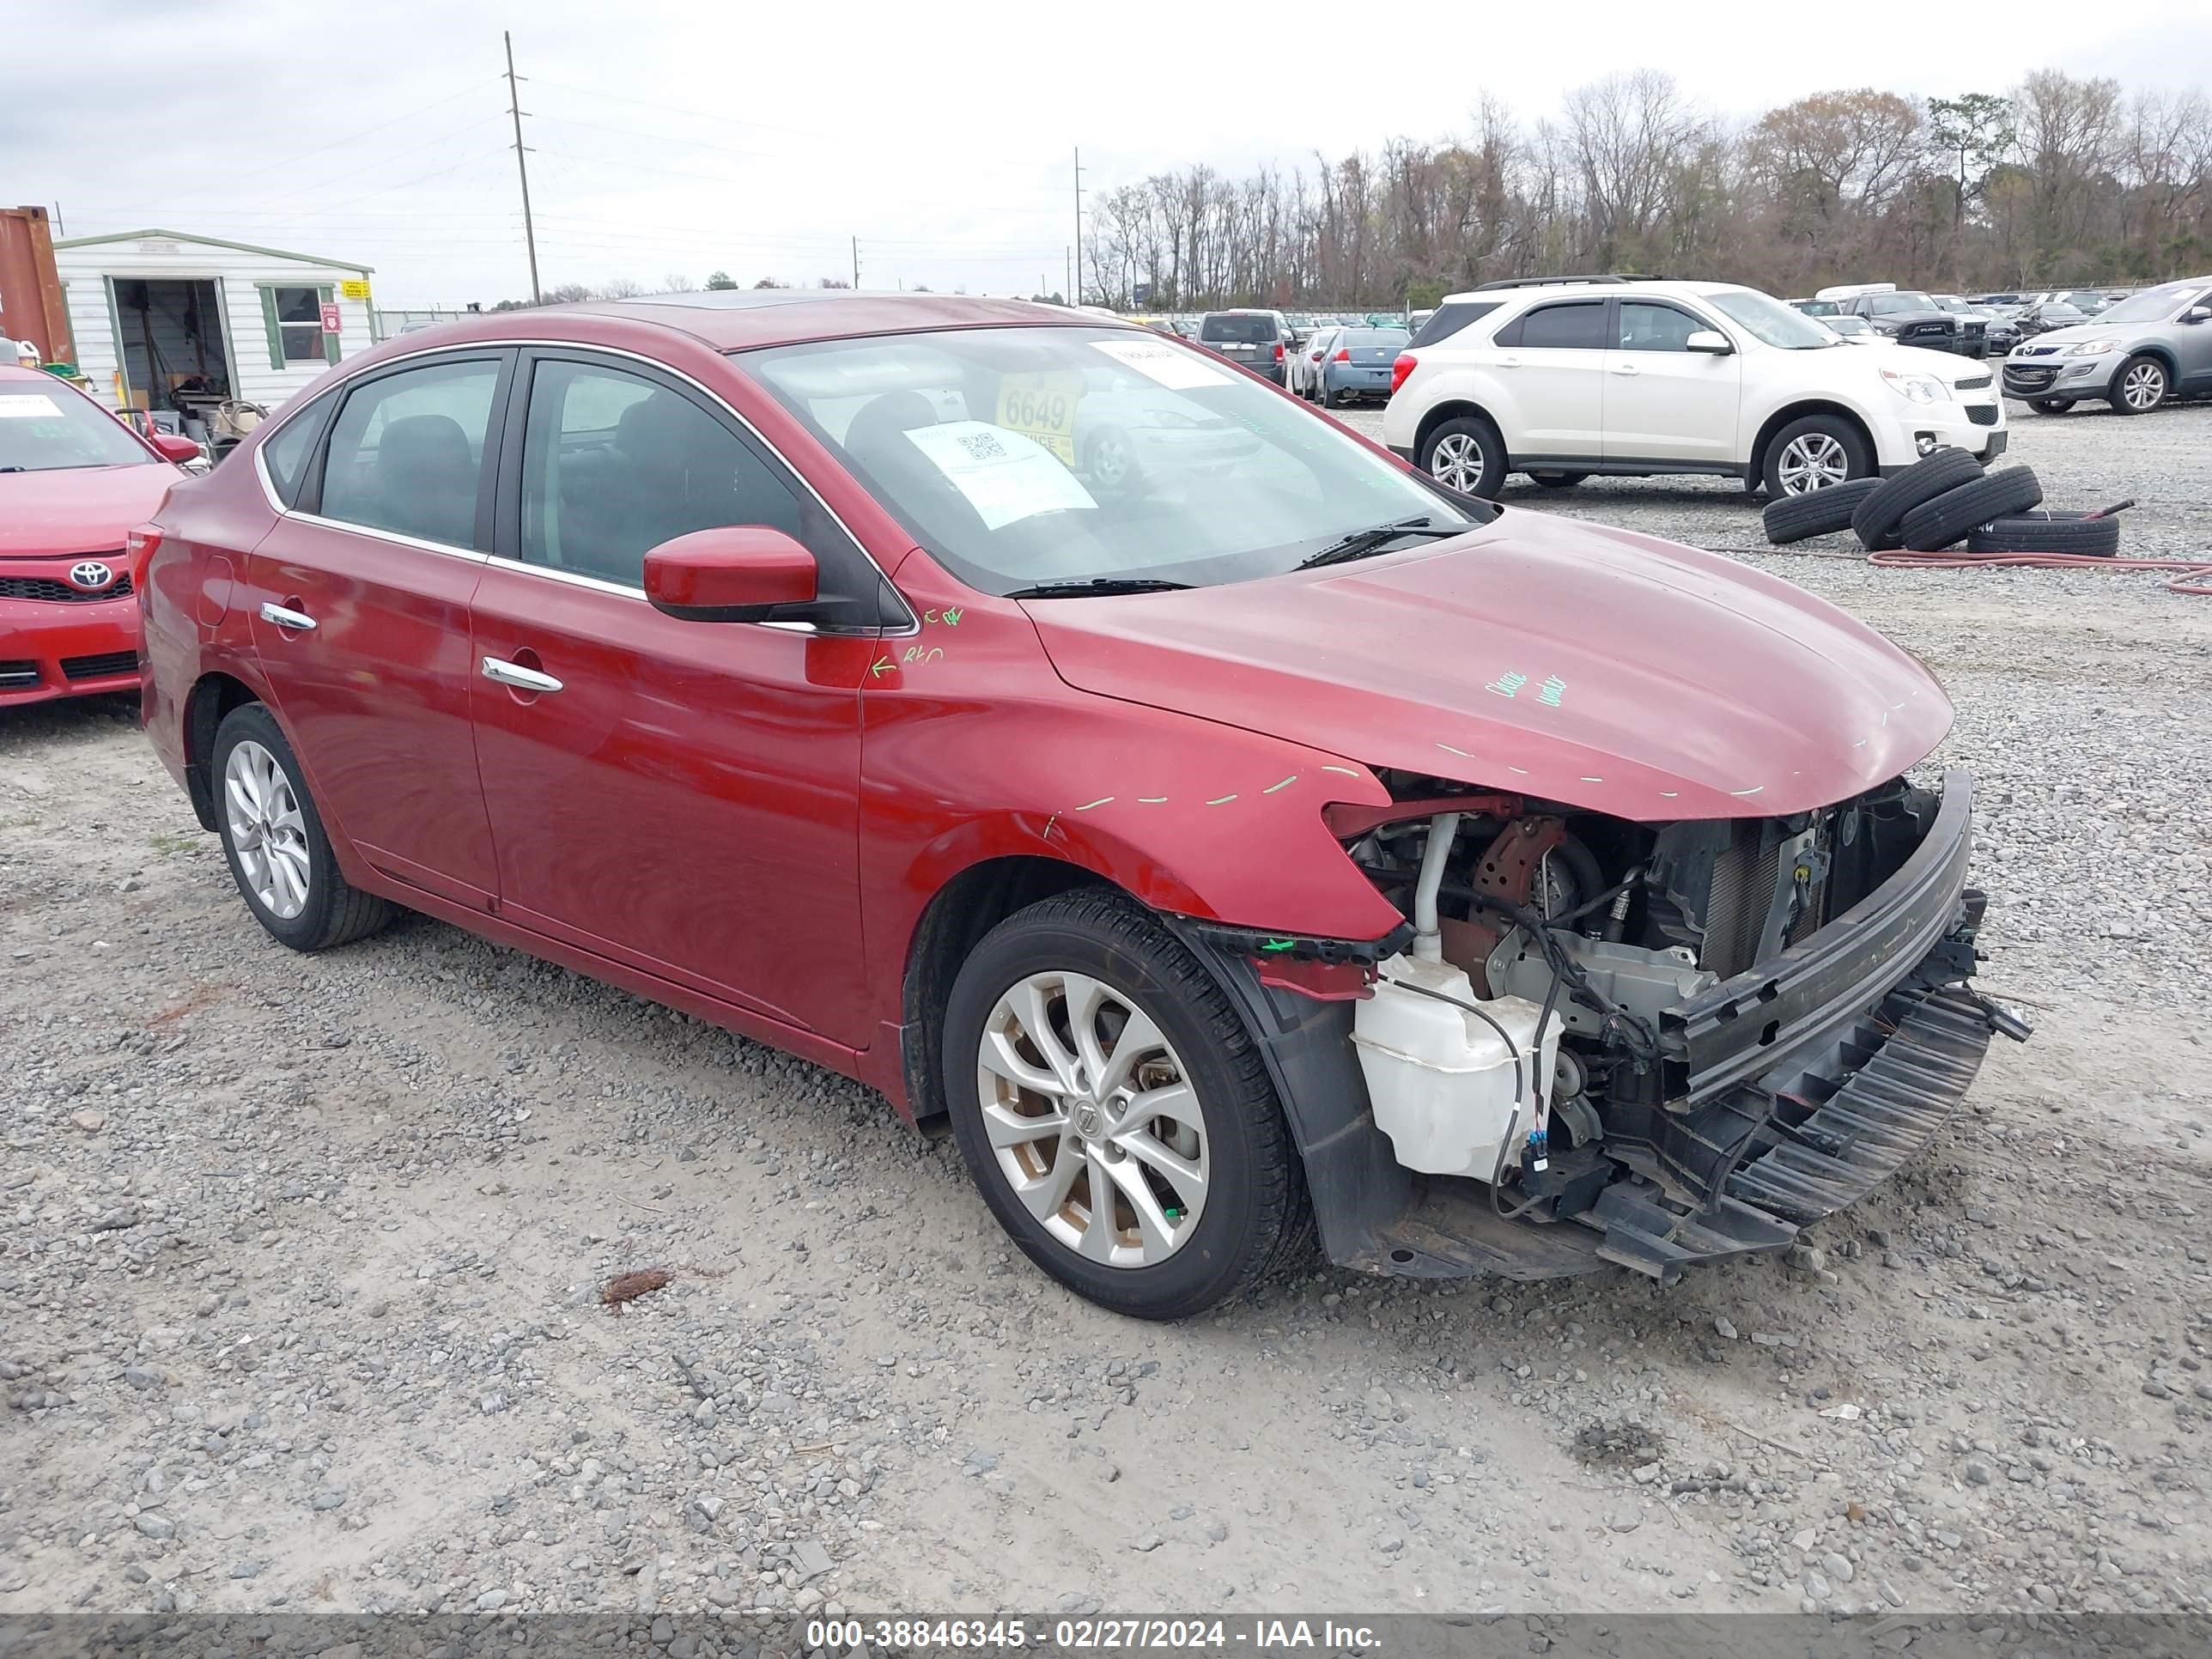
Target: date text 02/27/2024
{"points": [[1105, 1634]]}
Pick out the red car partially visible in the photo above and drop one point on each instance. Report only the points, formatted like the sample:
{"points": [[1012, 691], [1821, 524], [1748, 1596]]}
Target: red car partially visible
{"points": [[74, 482]]}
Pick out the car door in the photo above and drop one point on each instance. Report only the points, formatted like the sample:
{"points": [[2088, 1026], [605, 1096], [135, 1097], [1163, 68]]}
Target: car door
{"points": [[676, 796], [1664, 401], [1551, 368], [2193, 345], [359, 609]]}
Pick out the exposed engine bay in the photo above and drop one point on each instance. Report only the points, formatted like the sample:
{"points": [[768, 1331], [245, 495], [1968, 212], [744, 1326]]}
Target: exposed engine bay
{"points": [[1630, 1024]]}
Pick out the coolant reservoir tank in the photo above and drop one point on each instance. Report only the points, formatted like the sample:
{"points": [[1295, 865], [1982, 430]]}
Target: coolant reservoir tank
{"points": [[1440, 1079]]}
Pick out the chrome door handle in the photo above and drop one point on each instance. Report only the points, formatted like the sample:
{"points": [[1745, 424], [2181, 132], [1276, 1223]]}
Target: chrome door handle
{"points": [[298, 621], [1509, 363], [521, 679], [1626, 368]]}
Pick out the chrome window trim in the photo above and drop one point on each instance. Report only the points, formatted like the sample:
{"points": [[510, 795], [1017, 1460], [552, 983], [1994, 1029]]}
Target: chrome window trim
{"points": [[269, 491], [575, 578], [376, 533]]}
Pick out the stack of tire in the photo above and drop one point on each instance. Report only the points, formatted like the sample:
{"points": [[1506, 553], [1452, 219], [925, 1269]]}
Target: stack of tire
{"points": [[1942, 500]]}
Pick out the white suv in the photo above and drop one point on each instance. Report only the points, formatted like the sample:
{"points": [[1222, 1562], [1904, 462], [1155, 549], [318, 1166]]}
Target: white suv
{"points": [[1564, 377]]}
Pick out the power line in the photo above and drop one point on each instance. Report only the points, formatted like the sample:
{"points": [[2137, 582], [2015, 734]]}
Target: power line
{"points": [[291, 158]]}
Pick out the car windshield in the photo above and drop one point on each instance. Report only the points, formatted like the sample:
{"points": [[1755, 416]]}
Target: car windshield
{"points": [[1027, 456], [1883, 305], [1771, 322], [1238, 330], [2059, 311], [2152, 305], [1949, 302], [48, 429]]}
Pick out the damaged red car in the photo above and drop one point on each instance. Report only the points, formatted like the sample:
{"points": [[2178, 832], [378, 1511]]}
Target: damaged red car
{"points": [[1230, 833]]}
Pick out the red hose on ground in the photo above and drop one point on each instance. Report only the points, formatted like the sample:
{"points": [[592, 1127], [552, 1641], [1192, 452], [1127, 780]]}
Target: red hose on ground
{"points": [[2195, 575]]}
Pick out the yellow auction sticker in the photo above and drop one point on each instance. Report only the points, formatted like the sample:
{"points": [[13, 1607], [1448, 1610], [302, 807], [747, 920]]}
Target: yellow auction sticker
{"points": [[1042, 406]]}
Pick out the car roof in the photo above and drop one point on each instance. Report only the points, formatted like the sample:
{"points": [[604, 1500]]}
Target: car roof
{"points": [[736, 320]]}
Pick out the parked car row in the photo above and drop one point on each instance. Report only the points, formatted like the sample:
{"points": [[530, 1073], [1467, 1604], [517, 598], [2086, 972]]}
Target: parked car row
{"points": [[1336, 364]]}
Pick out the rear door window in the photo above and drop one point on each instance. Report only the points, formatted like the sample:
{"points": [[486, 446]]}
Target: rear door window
{"points": [[1570, 324], [407, 453]]}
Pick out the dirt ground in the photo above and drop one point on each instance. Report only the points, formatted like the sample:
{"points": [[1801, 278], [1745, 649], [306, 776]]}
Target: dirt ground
{"points": [[301, 1259]]}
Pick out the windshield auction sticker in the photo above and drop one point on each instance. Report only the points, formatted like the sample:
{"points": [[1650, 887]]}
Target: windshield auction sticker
{"points": [[1006, 476], [27, 406], [1173, 367], [1043, 407]]}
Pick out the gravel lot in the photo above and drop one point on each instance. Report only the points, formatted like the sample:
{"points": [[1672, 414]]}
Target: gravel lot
{"points": [[300, 1258]]}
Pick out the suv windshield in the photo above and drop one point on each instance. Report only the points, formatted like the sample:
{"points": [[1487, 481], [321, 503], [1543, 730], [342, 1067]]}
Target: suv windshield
{"points": [[1238, 331], [49, 428], [1027, 456], [1771, 322], [2152, 305]]}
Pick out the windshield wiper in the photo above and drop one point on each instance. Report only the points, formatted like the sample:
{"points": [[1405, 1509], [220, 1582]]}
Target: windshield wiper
{"points": [[1095, 584], [1361, 543]]}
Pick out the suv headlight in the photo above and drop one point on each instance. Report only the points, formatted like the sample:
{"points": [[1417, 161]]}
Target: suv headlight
{"points": [[2091, 348], [1916, 388]]}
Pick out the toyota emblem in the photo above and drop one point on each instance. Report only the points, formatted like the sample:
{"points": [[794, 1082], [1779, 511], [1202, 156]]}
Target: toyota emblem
{"points": [[91, 576]]}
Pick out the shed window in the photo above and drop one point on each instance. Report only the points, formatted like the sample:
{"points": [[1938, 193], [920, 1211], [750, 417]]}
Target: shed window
{"points": [[295, 316]]}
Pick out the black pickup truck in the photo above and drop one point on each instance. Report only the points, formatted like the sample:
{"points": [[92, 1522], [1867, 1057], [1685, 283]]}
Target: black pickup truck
{"points": [[1914, 320]]}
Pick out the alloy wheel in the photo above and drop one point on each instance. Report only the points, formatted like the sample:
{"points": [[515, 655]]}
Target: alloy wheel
{"points": [[1812, 460], [1092, 1120], [2143, 386], [1109, 460], [1456, 462], [266, 829]]}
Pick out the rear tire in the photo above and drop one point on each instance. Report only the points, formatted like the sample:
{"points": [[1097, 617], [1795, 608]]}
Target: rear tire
{"points": [[1466, 454], [1559, 480], [2048, 532], [1948, 520], [1224, 1161], [1815, 453], [2142, 385], [1880, 515], [274, 841], [1817, 512]]}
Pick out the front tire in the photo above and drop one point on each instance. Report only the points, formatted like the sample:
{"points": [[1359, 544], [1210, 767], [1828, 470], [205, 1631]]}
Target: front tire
{"points": [[1116, 1113], [2051, 405], [1813, 452], [2141, 386], [273, 839], [1466, 454]]}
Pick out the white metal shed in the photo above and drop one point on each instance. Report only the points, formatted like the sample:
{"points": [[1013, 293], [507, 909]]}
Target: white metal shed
{"points": [[168, 321]]}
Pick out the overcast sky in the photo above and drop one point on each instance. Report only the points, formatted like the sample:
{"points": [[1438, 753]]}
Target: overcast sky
{"points": [[678, 140]]}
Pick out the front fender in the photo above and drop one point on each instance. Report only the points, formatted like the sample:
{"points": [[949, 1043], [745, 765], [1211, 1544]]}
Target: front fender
{"points": [[976, 749]]}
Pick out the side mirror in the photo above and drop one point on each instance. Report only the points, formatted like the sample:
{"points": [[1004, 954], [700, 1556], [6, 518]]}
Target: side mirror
{"points": [[737, 573], [2198, 314], [173, 447], [1711, 341]]}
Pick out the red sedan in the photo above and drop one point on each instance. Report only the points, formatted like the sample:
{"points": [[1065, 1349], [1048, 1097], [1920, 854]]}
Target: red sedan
{"points": [[74, 482], [1234, 833]]}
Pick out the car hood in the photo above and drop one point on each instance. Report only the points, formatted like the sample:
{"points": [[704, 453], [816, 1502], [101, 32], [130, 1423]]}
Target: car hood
{"points": [[79, 509], [1614, 672], [2074, 332]]}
